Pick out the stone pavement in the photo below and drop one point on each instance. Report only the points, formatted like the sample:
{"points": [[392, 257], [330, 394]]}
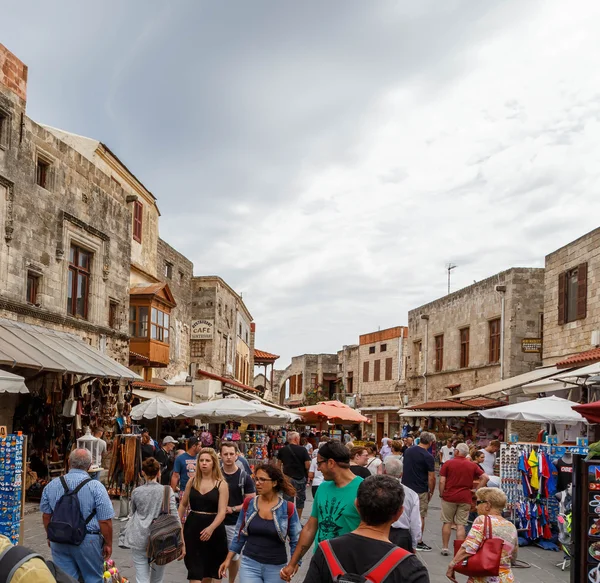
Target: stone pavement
{"points": [[542, 562]]}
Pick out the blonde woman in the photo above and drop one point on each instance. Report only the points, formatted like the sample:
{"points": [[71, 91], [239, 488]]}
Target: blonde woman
{"points": [[206, 495]]}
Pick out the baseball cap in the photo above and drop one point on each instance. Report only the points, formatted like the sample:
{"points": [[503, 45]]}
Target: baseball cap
{"points": [[169, 439], [192, 441], [334, 450]]}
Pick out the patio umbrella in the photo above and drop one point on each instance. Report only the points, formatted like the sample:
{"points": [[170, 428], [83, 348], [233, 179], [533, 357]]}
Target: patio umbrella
{"points": [[12, 383], [547, 410], [331, 411], [236, 409], [591, 411], [160, 407]]}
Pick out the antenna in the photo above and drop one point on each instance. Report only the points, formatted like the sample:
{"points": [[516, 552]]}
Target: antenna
{"points": [[449, 267]]}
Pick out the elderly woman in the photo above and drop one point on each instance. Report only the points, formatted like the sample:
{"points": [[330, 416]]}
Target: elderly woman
{"points": [[490, 502]]}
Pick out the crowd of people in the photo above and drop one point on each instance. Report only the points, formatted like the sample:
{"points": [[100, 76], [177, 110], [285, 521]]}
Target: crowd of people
{"points": [[369, 509]]}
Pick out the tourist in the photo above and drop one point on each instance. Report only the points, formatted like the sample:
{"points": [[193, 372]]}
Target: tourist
{"points": [[86, 559], [263, 527], [490, 502], [408, 442], [333, 511], [29, 569], [359, 456], [385, 440], [315, 477], [146, 505], [456, 482], [295, 463], [397, 447], [489, 462], [446, 452], [419, 475], [406, 531], [306, 444], [206, 495], [241, 486], [206, 438], [347, 437], [148, 448], [379, 502], [164, 456], [373, 461], [185, 465]]}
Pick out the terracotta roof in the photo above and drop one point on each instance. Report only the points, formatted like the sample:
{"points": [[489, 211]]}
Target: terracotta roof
{"points": [[153, 289], [137, 356], [232, 382], [262, 355], [587, 357], [456, 405], [149, 386]]}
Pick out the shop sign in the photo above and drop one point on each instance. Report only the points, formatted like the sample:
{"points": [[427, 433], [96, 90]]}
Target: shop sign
{"points": [[531, 345], [202, 329]]}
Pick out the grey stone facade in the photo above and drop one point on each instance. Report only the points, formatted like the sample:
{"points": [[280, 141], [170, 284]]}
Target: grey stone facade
{"points": [[307, 374]]}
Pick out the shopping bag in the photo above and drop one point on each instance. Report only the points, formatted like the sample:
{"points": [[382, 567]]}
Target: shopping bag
{"points": [[486, 561], [70, 406]]}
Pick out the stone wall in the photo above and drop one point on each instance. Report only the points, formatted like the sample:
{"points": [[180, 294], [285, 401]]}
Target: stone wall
{"points": [[180, 284], [563, 340], [306, 372]]}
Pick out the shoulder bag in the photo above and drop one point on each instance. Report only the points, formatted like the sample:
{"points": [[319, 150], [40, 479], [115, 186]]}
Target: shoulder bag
{"points": [[486, 561]]}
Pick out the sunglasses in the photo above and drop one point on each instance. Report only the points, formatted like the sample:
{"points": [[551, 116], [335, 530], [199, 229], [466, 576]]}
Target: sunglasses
{"points": [[481, 502]]}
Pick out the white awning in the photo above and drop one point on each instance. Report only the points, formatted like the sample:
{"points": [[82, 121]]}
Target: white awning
{"points": [[12, 383], [546, 410], [553, 383], [146, 395], [586, 371], [446, 413], [43, 349], [507, 384]]}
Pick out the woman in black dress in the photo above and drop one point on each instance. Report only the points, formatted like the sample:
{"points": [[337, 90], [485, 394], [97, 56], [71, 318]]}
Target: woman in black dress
{"points": [[207, 495]]}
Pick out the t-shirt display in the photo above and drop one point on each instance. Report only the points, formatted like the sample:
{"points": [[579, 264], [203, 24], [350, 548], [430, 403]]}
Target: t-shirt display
{"points": [[358, 554], [185, 466], [460, 473], [418, 462], [334, 509], [565, 475], [236, 497], [293, 458]]}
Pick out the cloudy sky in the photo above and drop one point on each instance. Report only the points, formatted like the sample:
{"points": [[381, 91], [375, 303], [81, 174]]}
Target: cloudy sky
{"points": [[328, 159]]}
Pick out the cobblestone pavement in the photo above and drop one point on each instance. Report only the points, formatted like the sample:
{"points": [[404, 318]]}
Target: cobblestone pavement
{"points": [[542, 562]]}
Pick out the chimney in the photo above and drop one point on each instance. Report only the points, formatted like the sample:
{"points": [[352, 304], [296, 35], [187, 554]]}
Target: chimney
{"points": [[13, 74]]}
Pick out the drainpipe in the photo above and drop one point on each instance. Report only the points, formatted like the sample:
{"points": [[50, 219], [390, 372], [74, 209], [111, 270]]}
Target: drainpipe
{"points": [[502, 289], [426, 318]]}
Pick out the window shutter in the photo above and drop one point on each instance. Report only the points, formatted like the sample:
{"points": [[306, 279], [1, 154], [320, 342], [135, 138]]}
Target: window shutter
{"points": [[365, 372], [562, 284], [299, 385], [377, 370], [388, 369], [582, 291]]}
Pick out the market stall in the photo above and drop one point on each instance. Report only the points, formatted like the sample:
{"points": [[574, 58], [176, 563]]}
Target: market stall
{"points": [[329, 412]]}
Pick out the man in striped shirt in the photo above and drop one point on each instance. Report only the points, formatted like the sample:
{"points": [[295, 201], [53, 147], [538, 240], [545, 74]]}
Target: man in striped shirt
{"points": [[87, 559]]}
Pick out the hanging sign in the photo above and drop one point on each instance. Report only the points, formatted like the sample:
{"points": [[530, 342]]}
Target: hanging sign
{"points": [[531, 345], [202, 329]]}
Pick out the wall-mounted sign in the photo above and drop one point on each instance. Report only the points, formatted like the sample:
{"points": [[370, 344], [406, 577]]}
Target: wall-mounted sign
{"points": [[531, 344], [202, 329]]}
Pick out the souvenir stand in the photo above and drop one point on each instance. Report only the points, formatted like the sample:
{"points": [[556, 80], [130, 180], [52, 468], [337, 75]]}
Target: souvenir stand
{"points": [[13, 450]]}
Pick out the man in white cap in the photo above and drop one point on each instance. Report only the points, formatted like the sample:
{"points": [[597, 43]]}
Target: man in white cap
{"points": [[164, 456]]}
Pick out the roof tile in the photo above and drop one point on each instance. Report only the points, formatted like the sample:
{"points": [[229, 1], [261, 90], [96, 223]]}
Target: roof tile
{"points": [[587, 357]]}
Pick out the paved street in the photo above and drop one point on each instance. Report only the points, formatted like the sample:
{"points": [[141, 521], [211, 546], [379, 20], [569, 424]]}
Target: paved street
{"points": [[542, 562]]}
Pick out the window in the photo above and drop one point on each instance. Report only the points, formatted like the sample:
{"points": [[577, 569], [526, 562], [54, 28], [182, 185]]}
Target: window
{"points": [[138, 321], [33, 282], [138, 217], [494, 340], [388, 368], [159, 329], [78, 289], [350, 382], [4, 129], [377, 370], [181, 276], [365, 372], [439, 352], [371, 350], [168, 270], [418, 356], [42, 174], [240, 331], [246, 337], [572, 294], [113, 313], [464, 348], [383, 348]]}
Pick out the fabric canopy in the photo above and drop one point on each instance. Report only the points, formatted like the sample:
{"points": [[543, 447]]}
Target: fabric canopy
{"points": [[159, 407], [236, 409], [586, 371], [147, 395], [591, 411], [546, 410], [440, 413], [12, 383], [330, 410]]}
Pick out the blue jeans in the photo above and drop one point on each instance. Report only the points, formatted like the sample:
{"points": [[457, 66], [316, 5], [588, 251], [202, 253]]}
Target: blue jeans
{"points": [[144, 572], [252, 571], [85, 561]]}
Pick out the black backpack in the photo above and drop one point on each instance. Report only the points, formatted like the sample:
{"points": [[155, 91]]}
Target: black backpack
{"points": [[67, 525], [13, 557]]}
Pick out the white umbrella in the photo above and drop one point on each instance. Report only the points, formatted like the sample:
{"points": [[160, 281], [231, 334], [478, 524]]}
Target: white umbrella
{"points": [[12, 383], [160, 407], [236, 409], [547, 410]]}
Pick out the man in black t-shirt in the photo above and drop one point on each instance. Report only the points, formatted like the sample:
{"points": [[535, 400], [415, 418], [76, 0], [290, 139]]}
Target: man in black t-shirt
{"points": [[379, 501], [295, 461], [241, 486]]}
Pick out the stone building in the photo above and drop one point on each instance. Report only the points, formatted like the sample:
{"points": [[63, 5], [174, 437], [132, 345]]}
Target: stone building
{"points": [[311, 377], [460, 342], [222, 342]]}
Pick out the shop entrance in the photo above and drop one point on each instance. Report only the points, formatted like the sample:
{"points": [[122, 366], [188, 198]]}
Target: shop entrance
{"points": [[379, 434]]}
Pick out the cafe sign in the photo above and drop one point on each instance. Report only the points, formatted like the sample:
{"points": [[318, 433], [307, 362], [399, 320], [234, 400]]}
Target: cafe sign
{"points": [[531, 345], [202, 329]]}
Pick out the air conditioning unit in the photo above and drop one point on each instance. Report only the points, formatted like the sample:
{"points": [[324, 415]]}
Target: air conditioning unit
{"points": [[596, 338]]}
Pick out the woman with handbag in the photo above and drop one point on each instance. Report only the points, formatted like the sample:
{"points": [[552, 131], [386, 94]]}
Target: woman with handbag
{"points": [[488, 529], [146, 504]]}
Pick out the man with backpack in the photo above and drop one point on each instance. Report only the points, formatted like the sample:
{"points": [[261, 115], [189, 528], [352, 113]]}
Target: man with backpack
{"points": [[77, 516], [241, 486], [366, 554]]}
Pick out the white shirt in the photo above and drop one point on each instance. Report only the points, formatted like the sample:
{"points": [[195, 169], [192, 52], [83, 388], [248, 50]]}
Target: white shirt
{"points": [[447, 453], [373, 464], [318, 476], [410, 517], [102, 447], [385, 440], [489, 462]]}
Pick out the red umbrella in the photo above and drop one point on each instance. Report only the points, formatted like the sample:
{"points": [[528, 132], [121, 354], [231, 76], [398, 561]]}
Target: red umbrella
{"points": [[330, 410], [591, 411]]}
